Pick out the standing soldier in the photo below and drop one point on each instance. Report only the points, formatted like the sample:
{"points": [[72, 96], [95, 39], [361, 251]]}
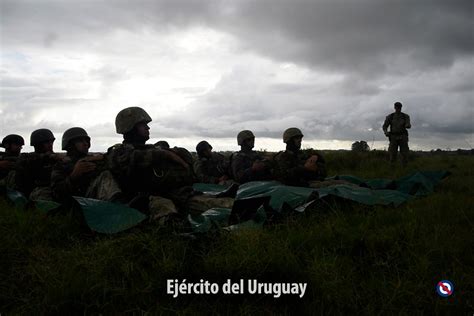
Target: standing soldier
{"points": [[13, 144], [210, 167], [295, 167], [399, 122], [33, 174], [82, 174], [248, 165]]}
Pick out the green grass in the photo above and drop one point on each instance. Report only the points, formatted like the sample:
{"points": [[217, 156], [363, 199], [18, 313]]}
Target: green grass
{"points": [[356, 259]]}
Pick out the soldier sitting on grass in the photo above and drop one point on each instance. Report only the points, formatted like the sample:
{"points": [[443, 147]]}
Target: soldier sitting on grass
{"points": [[82, 174], [295, 167], [247, 164], [33, 175], [13, 144], [211, 167], [163, 176]]}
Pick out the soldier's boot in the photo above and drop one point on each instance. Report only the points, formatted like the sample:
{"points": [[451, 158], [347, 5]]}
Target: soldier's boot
{"points": [[201, 203]]}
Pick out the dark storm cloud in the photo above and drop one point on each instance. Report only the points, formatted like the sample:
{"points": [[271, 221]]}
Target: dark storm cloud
{"points": [[367, 37], [419, 52]]}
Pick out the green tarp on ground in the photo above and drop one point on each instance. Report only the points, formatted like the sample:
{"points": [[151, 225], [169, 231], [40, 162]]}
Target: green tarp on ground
{"points": [[280, 195], [108, 218], [18, 199], [365, 195], [46, 206], [368, 192], [419, 183], [218, 218]]}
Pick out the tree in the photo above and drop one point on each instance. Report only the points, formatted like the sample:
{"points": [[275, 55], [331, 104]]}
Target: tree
{"points": [[360, 146]]}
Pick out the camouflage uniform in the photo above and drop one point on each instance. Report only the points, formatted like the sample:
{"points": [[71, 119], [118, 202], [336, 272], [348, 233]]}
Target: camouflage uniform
{"points": [[211, 170], [241, 165], [98, 184], [7, 176], [398, 135], [290, 168], [34, 175], [10, 157], [146, 169]]}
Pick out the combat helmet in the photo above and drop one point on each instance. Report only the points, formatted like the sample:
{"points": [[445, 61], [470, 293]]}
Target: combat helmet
{"points": [[71, 134], [290, 133], [202, 146], [12, 139], [41, 135], [129, 117], [243, 135]]}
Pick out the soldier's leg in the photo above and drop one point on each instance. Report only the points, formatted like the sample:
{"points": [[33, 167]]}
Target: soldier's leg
{"points": [[161, 207], [104, 187], [41, 193], [201, 203], [404, 150], [392, 150], [10, 179]]}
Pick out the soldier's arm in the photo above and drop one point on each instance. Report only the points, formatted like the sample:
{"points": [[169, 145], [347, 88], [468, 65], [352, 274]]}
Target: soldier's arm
{"points": [[23, 182], [6, 165], [201, 176], [61, 185], [386, 124], [240, 173], [407, 121], [321, 163], [287, 172]]}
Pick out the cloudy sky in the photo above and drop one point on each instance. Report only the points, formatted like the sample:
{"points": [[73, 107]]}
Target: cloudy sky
{"points": [[208, 69]]}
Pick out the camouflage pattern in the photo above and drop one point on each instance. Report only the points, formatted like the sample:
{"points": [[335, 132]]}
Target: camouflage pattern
{"points": [[41, 135], [160, 207], [41, 193], [98, 184], [290, 170], [398, 135], [33, 171], [72, 133], [8, 164], [241, 167], [290, 133], [211, 170], [129, 117], [8, 180], [201, 203], [147, 169]]}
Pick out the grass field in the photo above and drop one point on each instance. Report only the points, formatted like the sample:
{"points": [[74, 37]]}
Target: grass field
{"points": [[355, 259]]}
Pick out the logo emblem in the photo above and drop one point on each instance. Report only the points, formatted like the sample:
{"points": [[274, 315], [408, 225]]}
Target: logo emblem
{"points": [[445, 288]]}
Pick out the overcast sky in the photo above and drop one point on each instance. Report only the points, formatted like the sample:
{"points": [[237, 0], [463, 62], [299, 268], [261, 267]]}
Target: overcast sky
{"points": [[208, 69]]}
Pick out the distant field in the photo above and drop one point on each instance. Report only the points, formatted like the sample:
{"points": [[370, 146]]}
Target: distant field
{"points": [[356, 259]]}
